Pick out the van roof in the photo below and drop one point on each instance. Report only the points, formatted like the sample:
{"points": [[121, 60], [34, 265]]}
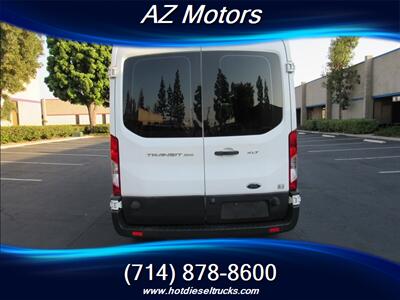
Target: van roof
{"points": [[275, 46]]}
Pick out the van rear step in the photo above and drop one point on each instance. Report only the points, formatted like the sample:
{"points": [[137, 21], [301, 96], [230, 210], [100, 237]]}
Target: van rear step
{"points": [[205, 230], [198, 210]]}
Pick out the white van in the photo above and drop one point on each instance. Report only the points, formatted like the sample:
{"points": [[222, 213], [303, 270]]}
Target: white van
{"points": [[203, 141]]}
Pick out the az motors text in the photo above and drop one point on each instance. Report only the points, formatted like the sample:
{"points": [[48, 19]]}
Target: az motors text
{"points": [[164, 15]]}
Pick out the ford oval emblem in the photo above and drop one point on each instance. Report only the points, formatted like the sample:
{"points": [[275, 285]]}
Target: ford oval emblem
{"points": [[253, 186]]}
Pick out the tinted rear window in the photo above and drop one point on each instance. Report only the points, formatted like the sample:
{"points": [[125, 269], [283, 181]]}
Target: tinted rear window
{"points": [[242, 93], [158, 95]]}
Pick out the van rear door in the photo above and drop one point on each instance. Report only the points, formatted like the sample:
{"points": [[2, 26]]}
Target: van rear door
{"points": [[160, 137], [247, 121]]}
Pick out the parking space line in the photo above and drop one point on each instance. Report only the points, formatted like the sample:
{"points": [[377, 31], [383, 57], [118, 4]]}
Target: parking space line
{"points": [[70, 147], [39, 163], [19, 179], [329, 144], [351, 149], [52, 153], [55, 150], [324, 140], [369, 158], [328, 136], [374, 141], [389, 172], [70, 144]]}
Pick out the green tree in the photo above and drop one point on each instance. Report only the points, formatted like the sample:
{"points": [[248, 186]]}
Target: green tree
{"points": [[19, 53], [130, 108], [222, 99], [340, 76], [197, 103], [161, 105], [6, 108], [141, 99], [266, 93], [242, 101], [78, 73], [260, 92], [169, 101], [176, 101]]}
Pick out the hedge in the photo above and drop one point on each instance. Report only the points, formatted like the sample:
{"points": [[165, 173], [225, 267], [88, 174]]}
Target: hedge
{"points": [[357, 126], [98, 129], [15, 134], [393, 131]]}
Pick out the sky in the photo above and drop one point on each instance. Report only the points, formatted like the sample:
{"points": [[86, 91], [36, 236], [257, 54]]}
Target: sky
{"points": [[309, 56]]}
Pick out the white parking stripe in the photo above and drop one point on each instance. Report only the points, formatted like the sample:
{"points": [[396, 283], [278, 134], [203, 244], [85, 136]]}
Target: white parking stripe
{"points": [[351, 149], [19, 179], [366, 158], [328, 135], [57, 148], [83, 147], [389, 172], [322, 145], [72, 144], [374, 141], [38, 163], [61, 140], [302, 141], [52, 153]]}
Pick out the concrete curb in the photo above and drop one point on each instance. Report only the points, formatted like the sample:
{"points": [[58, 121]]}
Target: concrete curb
{"points": [[363, 136], [16, 145]]}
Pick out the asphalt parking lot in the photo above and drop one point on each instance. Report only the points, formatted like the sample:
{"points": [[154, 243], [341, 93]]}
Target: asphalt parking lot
{"points": [[56, 195]]}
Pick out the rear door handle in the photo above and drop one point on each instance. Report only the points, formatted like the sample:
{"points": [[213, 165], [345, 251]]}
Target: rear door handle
{"points": [[226, 152]]}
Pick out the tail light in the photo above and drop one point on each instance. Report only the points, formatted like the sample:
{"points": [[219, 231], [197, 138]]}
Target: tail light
{"points": [[274, 230], [293, 161], [114, 153], [137, 233]]}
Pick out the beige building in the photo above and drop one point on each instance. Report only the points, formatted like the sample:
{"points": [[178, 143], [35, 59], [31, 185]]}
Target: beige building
{"points": [[57, 112], [27, 105], [30, 109], [26, 112], [52, 112], [377, 96]]}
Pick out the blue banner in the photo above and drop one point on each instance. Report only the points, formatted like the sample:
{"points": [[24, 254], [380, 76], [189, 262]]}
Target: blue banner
{"points": [[262, 268], [266, 268], [182, 23]]}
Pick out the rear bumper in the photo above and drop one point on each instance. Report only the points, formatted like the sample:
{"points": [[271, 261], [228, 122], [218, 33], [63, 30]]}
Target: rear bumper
{"points": [[206, 230]]}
